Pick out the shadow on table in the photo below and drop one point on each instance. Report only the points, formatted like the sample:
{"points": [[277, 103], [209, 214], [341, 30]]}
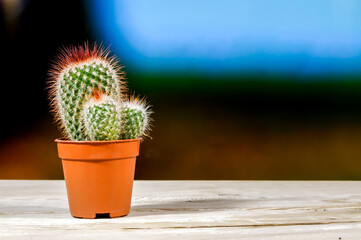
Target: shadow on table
{"points": [[188, 206]]}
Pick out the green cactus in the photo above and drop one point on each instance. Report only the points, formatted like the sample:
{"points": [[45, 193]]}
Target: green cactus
{"points": [[79, 73], [135, 119], [87, 89], [102, 119]]}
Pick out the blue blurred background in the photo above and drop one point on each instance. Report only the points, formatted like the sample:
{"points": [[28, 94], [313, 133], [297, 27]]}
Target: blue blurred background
{"points": [[240, 89], [212, 37]]}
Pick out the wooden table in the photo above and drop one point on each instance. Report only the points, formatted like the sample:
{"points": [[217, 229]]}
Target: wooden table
{"points": [[190, 210]]}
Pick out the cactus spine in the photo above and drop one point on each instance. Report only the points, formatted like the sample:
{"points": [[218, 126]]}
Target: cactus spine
{"points": [[87, 88]]}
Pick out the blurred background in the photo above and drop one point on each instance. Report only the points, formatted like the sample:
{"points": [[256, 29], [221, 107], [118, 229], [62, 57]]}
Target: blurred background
{"points": [[241, 89]]}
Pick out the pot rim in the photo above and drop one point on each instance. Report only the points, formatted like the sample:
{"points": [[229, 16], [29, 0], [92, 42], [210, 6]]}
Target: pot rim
{"points": [[65, 141]]}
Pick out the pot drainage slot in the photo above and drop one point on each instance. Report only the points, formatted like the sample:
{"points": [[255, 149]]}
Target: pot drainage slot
{"points": [[102, 215]]}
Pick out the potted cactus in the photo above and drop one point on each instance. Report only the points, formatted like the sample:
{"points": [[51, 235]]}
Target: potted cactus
{"points": [[102, 127]]}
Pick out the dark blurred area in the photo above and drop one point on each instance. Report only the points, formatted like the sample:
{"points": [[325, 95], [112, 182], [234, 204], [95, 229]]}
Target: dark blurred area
{"points": [[235, 126], [32, 33]]}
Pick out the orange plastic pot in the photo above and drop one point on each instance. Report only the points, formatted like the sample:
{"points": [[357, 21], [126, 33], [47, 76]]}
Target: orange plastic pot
{"points": [[99, 176]]}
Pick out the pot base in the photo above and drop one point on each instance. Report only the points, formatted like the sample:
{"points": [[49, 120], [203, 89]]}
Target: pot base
{"points": [[93, 215]]}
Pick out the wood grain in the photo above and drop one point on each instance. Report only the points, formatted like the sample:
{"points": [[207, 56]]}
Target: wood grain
{"points": [[191, 210]]}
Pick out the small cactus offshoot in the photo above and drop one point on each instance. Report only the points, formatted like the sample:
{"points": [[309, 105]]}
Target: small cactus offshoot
{"points": [[87, 95], [102, 118], [135, 118]]}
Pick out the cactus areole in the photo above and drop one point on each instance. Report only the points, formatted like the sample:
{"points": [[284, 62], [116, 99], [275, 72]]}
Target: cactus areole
{"points": [[90, 100]]}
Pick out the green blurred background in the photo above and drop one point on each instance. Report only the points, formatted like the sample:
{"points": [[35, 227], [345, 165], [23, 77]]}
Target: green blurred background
{"points": [[239, 89]]}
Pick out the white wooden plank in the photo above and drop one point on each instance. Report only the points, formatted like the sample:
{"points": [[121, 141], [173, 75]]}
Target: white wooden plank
{"points": [[191, 210]]}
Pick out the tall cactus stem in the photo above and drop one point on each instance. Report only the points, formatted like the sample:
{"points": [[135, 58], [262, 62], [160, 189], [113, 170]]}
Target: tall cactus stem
{"points": [[77, 74]]}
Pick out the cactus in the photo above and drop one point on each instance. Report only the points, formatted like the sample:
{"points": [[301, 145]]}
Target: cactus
{"points": [[87, 95], [135, 118], [102, 118], [78, 73]]}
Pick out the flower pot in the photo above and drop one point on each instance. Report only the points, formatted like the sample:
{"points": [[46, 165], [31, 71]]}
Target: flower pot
{"points": [[99, 176]]}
